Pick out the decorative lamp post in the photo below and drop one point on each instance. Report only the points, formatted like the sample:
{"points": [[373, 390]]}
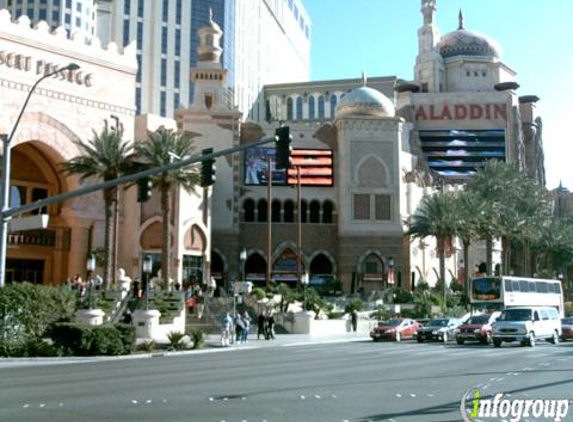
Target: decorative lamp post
{"points": [[243, 259], [5, 187], [90, 267], [304, 280], [147, 267]]}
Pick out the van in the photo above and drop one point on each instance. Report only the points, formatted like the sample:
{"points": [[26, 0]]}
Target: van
{"points": [[527, 325]]}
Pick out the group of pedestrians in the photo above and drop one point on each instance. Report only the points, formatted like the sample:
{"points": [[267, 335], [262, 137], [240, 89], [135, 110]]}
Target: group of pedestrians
{"points": [[237, 329]]}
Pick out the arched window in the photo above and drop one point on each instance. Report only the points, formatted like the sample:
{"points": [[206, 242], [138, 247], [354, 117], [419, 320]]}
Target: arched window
{"points": [[333, 102], [327, 211], [311, 107], [262, 207], [320, 265], [315, 212], [249, 211], [289, 109], [321, 107], [276, 211], [303, 210], [288, 209], [299, 108]]}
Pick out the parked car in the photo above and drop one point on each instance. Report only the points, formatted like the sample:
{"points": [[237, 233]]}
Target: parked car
{"points": [[440, 329], [396, 329], [527, 325], [477, 328], [567, 328]]}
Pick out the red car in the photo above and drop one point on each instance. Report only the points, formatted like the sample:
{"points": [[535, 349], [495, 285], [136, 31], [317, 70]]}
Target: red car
{"points": [[567, 328], [476, 328], [395, 329]]}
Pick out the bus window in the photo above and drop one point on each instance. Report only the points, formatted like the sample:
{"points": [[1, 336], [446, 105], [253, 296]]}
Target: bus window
{"points": [[515, 285], [523, 286], [557, 288], [541, 287], [507, 286], [532, 286]]}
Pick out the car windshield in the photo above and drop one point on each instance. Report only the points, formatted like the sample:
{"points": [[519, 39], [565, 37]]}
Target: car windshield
{"points": [[391, 323], [478, 319], [438, 322], [515, 315], [568, 321]]}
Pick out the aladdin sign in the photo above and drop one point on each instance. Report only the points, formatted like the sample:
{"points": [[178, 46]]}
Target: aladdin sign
{"points": [[461, 112], [30, 64]]}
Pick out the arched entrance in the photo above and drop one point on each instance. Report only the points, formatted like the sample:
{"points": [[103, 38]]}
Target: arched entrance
{"points": [[255, 269], [46, 256]]}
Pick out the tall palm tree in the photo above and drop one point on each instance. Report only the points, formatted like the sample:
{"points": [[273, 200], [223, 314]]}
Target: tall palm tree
{"points": [[436, 216], [105, 157], [159, 149]]}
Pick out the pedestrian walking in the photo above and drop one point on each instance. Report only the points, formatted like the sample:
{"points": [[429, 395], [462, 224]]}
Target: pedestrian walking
{"points": [[261, 325], [226, 324], [239, 327], [246, 325], [270, 327]]}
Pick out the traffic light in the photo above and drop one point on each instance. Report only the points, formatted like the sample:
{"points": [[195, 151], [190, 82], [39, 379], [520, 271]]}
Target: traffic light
{"points": [[207, 170], [283, 148], [144, 188]]}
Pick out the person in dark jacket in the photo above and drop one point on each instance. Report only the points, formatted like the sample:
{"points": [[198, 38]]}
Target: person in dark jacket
{"points": [[270, 325], [261, 326]]}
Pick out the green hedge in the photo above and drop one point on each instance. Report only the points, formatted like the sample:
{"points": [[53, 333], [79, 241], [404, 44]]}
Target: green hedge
{"points": [[74, 339]]}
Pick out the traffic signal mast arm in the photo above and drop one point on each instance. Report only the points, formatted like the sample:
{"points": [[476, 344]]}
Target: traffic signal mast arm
{"points": [[9, 212]]}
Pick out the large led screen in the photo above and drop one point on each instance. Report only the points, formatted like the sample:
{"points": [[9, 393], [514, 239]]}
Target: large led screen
{"points": [[314, 167]]}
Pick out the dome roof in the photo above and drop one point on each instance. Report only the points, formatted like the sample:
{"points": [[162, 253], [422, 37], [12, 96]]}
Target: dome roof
{"points": [[463, 42], [364, 101]]}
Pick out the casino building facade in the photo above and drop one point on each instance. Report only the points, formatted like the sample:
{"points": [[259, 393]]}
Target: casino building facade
{"points": [[365, 152], [368, 150]]}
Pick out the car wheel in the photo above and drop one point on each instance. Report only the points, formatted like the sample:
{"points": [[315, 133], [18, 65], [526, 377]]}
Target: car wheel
{"points": [[445, 338], [459, 341], [555, 338], [496, 343], [398, 336], [375, 339], [531, 341], [420, 340]]}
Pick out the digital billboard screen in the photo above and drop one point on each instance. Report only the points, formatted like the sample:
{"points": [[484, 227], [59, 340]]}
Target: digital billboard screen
{"points": [[315, 166]]}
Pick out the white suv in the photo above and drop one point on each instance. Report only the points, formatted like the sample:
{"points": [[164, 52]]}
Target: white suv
{"points": [[526, 325]]}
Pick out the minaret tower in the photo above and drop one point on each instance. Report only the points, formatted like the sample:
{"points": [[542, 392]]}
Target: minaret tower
{"points": [[429, 68], [209, 77]]}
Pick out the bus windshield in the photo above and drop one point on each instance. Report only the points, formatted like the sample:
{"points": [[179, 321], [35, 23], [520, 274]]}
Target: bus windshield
{"points": [[487, 288]]}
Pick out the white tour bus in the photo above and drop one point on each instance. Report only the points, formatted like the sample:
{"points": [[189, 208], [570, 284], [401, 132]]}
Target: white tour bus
{"points": [[499, 293]]}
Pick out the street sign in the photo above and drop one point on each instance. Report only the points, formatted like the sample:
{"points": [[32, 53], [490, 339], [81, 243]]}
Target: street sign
{"points": [[39, 221]]}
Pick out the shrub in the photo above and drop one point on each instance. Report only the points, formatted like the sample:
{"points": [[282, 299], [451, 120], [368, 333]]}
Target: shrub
{"points": [[258, 293], [127, 335], [198, 338], [354, 306], [380, 314], [74, 339], [146, 346], [176, 340], [26, 312], [401, 295], [569, 308]]}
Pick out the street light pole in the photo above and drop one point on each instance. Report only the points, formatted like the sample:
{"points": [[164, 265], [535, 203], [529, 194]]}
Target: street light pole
{"points": [[147, 267], [5, 189]]}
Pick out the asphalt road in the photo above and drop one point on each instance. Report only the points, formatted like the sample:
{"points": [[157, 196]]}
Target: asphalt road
{"points": [[355, 382]]}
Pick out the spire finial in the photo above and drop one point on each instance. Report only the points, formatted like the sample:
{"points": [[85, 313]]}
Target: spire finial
{"points": [[364, 79], [211, 14], [460, 20]]}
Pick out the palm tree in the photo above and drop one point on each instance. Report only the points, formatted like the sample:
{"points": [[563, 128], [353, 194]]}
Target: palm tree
{"points": [[105, 157], [436, 216], [158, 150]]}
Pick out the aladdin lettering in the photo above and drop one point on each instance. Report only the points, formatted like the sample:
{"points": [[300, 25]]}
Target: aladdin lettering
{"points": [[25, 64], [461, 112]]}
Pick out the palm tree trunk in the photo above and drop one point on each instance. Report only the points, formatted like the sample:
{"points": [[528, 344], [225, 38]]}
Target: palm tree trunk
{"points": [[466, 253], [505, 255], [115, 237], [489, 255], [166, 241], [442, 258], [108, 237]]}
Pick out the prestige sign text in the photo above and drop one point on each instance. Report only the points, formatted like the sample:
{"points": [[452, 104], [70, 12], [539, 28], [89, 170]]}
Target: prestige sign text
{"points": [[25, 63]]}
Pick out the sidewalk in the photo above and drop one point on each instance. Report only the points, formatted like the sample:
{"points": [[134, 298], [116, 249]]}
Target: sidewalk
{"points": [[287, 340]]}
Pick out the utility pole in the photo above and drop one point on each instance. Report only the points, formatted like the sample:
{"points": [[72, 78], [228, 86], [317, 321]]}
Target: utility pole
{"points": [[269, 218]]}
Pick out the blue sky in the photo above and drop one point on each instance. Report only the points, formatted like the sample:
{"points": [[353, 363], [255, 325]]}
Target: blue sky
{"points": [[536, 37]]}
